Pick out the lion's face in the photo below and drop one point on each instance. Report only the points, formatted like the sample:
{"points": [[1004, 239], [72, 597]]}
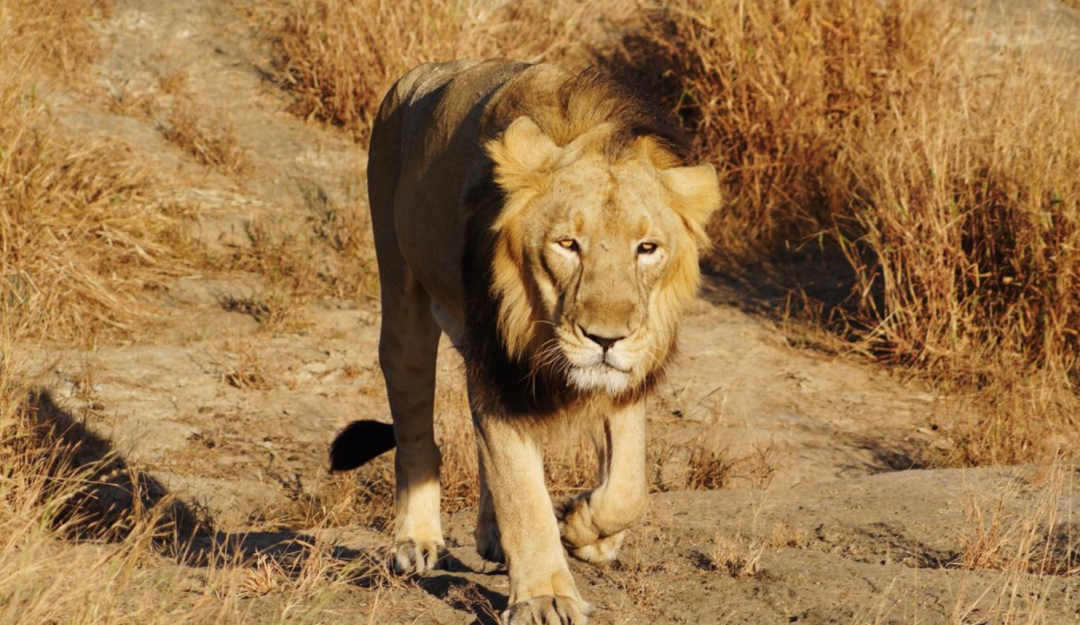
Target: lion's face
{"points": [[606, 252], [605, 238]]}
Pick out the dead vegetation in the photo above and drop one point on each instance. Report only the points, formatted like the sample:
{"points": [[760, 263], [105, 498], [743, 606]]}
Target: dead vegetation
{"points": [[1032, 538], [81, 232], [887, 139], [52, 488], [83, 237], [71, 505], [324, 252], [1023, 534], [936, 166], [340, 56], [213, 143], [52, 35], [198, 132]]}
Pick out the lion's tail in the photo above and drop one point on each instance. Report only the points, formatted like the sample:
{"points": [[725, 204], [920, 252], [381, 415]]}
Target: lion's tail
{"points": [[359, 443]]}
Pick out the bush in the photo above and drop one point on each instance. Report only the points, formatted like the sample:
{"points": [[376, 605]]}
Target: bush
{"points": [[942, 169]]}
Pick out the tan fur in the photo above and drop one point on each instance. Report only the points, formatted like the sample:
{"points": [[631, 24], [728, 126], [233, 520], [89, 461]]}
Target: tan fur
{"points": [[524, 159], [588, 245]]}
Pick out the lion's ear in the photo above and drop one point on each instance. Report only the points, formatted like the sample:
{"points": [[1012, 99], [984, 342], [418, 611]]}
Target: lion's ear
{"points": [[520, 153], [697, 195]]}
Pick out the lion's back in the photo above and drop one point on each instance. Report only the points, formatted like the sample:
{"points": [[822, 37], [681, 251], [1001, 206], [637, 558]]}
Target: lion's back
{"points": [[426, 142]]}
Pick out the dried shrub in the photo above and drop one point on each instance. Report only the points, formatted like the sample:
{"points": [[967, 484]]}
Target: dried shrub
{"points": [[80, 232], [939, 169], [340, 56]]}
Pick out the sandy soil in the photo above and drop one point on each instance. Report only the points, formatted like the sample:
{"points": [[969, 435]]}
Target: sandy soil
{"points": [[826, 509]]}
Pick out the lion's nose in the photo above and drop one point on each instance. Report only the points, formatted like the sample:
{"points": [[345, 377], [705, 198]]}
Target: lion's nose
{"points": [[605, 342]]}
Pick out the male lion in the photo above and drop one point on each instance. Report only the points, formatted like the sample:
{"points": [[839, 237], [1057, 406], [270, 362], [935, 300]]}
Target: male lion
{"points": [[547, 223]]}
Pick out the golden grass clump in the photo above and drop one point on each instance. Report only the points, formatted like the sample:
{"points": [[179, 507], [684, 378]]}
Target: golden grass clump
{"points": [[942, 169], [214, 145], [80, 234], [340, 56], [60, 32]]}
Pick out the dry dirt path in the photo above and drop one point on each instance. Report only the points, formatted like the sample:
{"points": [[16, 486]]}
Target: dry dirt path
{"points": [[825, 517]]}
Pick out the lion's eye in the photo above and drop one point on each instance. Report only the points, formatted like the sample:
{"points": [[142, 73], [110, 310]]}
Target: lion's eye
{"points": [[568, 244], [647, 248]]}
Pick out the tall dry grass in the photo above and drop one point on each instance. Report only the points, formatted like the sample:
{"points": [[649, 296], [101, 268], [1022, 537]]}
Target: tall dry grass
{"points": [[1026, 533], [938, 166], [340, 56], [81, 235]]}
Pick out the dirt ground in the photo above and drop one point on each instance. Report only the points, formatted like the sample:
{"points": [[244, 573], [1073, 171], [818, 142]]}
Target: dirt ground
{"points": [[826, 515]]}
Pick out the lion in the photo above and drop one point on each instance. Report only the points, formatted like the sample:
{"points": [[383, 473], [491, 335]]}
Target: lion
{"points": [[549, 224]]}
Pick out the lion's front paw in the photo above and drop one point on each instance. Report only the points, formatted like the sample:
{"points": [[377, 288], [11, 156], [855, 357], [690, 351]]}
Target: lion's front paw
{"points": [[413, 556], [582, 538], [546, 610], [604, 551]]}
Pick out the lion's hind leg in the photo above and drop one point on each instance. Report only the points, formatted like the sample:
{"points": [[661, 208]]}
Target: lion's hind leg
{"points": [[408, 348]]}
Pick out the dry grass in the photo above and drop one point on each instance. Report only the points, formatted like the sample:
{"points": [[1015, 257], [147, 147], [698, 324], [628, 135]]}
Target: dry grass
{"points": [[213, 143], [1030, 538], [200, 133], [939, 169], [1022, 534], [324, 252], [56, 35], [57, 486], [72, 506], [340, 56], [245, 370], [734, 557], [81, 235], [81, 239]]}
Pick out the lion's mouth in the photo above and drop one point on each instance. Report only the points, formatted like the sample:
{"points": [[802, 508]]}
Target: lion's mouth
{"points": [[601, 376], [607, 364]]}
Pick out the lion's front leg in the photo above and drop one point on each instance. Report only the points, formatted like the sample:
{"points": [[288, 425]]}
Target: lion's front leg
{"points": [[542, 591], [594, 524]]}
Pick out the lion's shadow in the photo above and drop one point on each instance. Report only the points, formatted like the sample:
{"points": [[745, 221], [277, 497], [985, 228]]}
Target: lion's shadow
{"points": [[117, 492]]}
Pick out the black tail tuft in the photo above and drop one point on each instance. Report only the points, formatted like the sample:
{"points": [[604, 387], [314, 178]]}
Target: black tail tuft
{"points": [[359, 443]]}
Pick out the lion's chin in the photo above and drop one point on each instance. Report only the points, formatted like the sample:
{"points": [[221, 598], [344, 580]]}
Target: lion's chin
{"points": [[599, 378]]}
